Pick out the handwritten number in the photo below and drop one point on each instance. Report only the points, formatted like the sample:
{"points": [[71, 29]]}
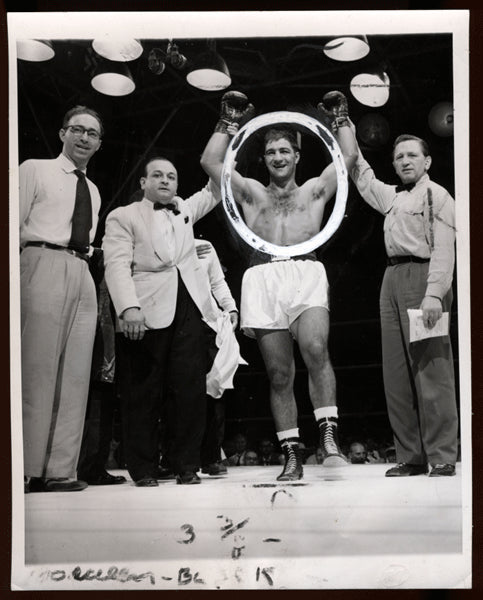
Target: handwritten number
{"points": [[190, 532]]}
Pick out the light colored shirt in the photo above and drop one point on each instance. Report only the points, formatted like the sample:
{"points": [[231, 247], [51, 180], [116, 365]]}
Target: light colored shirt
{"points": [[47, 198], [419, 222], [219, 287]]}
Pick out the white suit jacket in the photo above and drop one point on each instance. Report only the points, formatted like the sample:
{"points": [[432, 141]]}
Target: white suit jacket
{"points": [[141, 264]]}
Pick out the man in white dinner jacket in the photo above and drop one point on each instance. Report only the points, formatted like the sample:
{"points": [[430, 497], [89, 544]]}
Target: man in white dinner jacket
{"points": [[161, 297]]}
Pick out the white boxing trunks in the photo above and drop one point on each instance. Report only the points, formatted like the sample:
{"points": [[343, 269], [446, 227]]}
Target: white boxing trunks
{"points": [[274, 294]]}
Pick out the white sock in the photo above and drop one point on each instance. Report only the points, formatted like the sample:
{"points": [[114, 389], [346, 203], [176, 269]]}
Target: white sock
{"points": [[325, 412], [287, 434]]}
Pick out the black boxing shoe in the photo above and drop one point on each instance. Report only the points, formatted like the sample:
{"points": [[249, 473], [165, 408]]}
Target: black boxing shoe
{"points": [[293, 469], [329, 443]]}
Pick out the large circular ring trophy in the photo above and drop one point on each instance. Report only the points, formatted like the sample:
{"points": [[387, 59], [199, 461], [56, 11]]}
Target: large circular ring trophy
{"points": [[230, 205]]}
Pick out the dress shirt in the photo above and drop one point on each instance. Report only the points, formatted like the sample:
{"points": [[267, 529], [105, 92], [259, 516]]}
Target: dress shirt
{"points": [[419, 222], [46, 201], [219, 287]]}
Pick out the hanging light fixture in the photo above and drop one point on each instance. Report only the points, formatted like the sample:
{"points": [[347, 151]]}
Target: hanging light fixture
{"points": [[441, 118], [373, 129], [113, 79], [157, 59], [209, 71], [371, 89], [346, 48], [35, 50], [117, 49]]}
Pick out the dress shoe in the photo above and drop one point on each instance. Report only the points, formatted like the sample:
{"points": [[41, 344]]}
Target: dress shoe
{"points": [[187, 478], [446, 470], [147, 481], [56, 484], [217, 468], [104, 479], [165, 473], [406, 470]]}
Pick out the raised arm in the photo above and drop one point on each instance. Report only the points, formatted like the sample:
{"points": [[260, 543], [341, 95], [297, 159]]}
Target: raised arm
{"points": [[234, 109], [335, 108]]}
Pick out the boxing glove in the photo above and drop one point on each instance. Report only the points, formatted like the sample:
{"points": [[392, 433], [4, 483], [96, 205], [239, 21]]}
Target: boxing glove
{"points": [[234, 108], [334, 106]]}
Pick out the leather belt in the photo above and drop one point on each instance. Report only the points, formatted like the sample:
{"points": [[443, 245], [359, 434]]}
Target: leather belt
{"points": [[399, 260], [262, 260], [81, 255]]}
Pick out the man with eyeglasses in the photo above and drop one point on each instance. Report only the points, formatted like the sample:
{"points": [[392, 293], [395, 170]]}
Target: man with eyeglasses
{"points": [[58, 218]]}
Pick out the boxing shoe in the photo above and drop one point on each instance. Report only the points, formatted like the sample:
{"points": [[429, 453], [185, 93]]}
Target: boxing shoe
{"points": [[329, 443], [407, 470], [293, 469], [446, 470]]}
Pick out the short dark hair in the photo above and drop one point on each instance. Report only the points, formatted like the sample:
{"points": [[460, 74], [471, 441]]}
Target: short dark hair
{"points": [[278, 133], [82, 110], [406, 137], [152, 159]]}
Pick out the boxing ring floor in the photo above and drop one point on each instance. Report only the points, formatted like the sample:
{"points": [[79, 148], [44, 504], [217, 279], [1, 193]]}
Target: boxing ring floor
{"points": [[337, 528]]}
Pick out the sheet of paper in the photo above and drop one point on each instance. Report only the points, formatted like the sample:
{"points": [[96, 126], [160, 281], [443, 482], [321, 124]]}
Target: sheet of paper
{"points": [[417, 330]]}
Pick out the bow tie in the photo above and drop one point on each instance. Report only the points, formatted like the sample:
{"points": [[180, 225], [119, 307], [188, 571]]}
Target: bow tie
{"points": [[170, 206], [405, 187]]}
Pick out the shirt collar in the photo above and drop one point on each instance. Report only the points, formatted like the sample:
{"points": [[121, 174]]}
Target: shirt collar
{"points": [[67, 165]]}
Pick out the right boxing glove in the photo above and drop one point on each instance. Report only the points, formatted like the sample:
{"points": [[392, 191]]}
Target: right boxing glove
{"points": [[234, 108]]}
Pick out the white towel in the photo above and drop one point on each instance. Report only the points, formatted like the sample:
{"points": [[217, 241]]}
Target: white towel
{"points": [[227, 359]]}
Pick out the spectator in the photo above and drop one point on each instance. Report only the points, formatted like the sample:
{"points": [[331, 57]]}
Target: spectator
{"points": [[317, 458], [267, 454], [251, 458], [240, 444]]}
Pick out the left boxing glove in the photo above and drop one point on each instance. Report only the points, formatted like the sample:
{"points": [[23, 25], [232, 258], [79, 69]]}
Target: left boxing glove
{"points": [[234, 108], [334, 106]]}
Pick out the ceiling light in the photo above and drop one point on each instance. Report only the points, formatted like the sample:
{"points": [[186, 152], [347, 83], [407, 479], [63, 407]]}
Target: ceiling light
{"points": [[440, 119], [371, 89], [35, 50], [113, 79], [347, 48], [117, 49], [209, 71], [373, 129]]}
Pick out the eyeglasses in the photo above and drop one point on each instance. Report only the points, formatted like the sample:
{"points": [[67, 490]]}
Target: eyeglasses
{"points": [[78, 131]]}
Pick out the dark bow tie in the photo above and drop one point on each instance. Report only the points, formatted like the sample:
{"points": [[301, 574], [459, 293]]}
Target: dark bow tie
{"points": [[404, 187], [170, 206]]}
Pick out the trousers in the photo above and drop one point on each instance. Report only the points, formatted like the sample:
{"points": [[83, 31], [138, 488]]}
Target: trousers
{"points": [[58, 324], [418, 377], [167, 366]]}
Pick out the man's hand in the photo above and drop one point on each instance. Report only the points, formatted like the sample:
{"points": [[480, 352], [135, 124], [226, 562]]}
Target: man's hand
{"points": [[133, 320], [234, 319], [334, 107], [202, 250], [234, 108], [432, 311]]}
